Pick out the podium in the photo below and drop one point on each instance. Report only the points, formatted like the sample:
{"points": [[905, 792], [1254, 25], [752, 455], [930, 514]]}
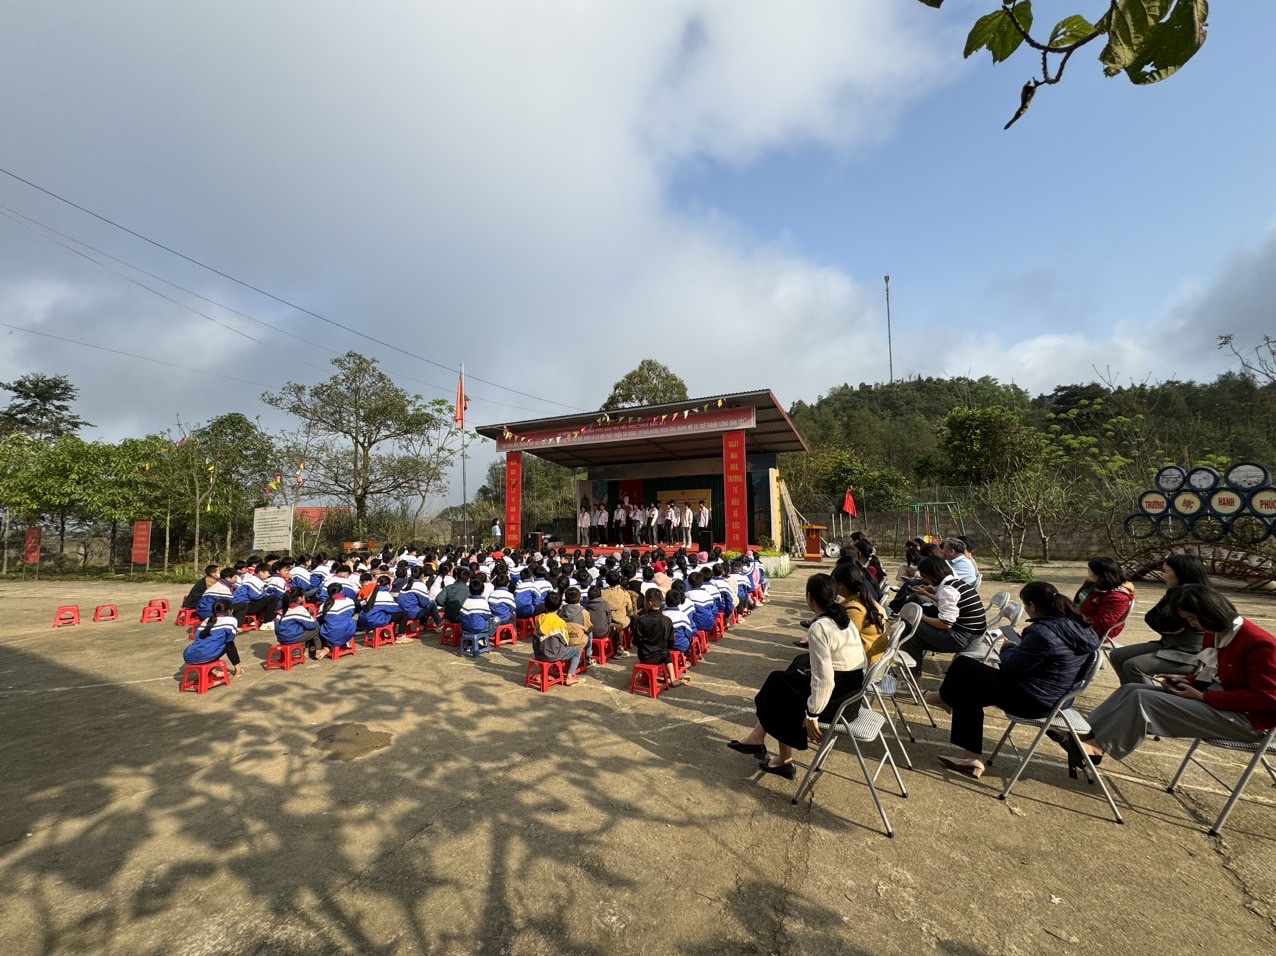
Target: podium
{"points": [[814, 550]]}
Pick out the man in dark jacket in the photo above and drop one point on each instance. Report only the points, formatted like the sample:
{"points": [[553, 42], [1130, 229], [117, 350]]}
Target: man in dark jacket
{"points": [[454, 595]]}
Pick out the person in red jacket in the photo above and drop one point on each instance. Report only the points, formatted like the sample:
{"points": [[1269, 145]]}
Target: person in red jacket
{"points": [[1105, 598], [1232, 695]]}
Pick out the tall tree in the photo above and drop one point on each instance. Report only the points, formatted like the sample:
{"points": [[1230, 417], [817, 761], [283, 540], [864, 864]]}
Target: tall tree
{"points": [[41, 407], [649, 384], [358, 425]]}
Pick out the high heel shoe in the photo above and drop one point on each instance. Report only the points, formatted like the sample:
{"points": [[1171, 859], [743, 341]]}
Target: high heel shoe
{"points": [[1076, 759]]}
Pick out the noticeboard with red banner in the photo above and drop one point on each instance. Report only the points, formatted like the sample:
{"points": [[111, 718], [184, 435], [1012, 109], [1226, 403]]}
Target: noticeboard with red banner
{"points": [[141, 543], [31, 546], [735, 491]]}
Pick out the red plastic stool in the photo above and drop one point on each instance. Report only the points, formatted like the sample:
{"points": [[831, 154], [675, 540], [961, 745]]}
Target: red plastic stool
{"points": [[545, 674], [158, 602], [603, 649], [694, 654], [251, 623], [718, 632], [284, 656], [679, 660], [525, 627], [201, 678], [413, 629], [153, 614], [380, 637], [341, 650], [627, 638], [451, 636], [106, 612], [505, 634], [66, 617], [185, 616], [430, 625], [654, 676], [701, 639], [313, 609]]}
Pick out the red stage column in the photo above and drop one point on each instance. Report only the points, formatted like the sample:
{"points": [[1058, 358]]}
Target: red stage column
{"points": [[735, 491], [513, 498]]}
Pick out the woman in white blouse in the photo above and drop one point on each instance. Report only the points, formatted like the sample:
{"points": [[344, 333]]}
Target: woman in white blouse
{"points": [[792, 703]]}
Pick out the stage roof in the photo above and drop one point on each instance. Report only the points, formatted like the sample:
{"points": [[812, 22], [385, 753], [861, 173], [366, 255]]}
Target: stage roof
{"points": [[678, 431]]}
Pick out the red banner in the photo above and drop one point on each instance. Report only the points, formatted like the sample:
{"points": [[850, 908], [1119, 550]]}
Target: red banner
{"points": [[735, 491], [141, 542], [848, 505], [663, 426], [513, 498], [31, 546]]}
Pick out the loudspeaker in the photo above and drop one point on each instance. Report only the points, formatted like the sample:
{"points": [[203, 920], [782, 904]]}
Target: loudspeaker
{"points": [[704, 540], [533, 541]]}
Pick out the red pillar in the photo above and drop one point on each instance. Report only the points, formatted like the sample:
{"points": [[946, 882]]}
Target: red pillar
{"points": [[513, 498], [735, 491]]}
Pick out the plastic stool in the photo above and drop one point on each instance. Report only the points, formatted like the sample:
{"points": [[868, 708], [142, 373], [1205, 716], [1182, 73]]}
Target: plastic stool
{"points": [[718, 632], [545, 674], [694, 654], [525, 627], [153, 614], [282, 656], [379, 637], [158, 602], [430, 625], [338, 651], [66, 617], [106, 612], [702, 639], [505, 634], [679, 661], [603, 649], [313, 609], [251, 623], [413, 629], [201, 678], [451, 636], [185, 616], [654, 676], [627, 638], [475, 644]]}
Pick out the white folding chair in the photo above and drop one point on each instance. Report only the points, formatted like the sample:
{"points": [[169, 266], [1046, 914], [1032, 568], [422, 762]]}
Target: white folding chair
{"points": [[1061, 717], [886, 686], [995, 604], [866, 727], [999, 633], [1259, 748], [902, 664]]}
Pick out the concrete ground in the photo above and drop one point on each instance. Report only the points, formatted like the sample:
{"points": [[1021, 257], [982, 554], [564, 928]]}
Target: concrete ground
{"points": [[408, 801]]}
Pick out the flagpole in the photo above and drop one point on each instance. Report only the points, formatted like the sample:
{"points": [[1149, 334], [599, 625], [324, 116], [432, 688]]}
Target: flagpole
{"points": [[465, 495]]}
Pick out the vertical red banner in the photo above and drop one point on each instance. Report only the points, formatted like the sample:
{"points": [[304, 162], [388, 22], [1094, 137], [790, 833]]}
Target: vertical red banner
{"points": [[31, 546], [513, 498], [141, 542], [735, 491]]}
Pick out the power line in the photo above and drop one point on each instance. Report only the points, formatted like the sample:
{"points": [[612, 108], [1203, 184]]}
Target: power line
{"points": [[144, 358], [30, 223], [270, 295]]}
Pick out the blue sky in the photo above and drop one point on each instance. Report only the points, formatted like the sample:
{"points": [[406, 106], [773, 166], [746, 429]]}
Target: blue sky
{"points": [[551, 192]]}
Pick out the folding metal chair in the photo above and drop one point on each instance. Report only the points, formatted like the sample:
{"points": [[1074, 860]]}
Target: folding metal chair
{"points": [[1061, 717], [1107, 644], [867, 727], [1259, 748], [886, 686], [902, 664], [999, 633], [995, 604]]}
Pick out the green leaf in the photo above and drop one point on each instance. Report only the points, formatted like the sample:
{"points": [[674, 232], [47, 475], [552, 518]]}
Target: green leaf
{"points": [[1149, 40], [997, 34], [1070, 30]]}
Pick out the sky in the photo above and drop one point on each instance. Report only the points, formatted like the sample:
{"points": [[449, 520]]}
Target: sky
{"points": [[550, 192]]}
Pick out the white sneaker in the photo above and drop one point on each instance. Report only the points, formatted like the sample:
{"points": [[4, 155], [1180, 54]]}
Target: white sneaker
{"points": [[268, 626]]}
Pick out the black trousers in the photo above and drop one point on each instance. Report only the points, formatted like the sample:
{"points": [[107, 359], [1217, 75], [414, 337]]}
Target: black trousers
{"points": [[263, 607], [969, 687]]}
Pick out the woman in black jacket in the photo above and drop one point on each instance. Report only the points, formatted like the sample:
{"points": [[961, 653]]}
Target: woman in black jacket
{"points": [[1175, 652], [1034, 674]]}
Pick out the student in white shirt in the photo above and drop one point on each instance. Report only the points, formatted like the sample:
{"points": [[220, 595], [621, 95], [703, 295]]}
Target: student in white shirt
{"points": [[583, 524], [687, 518], [619, 520], [600, 524]]}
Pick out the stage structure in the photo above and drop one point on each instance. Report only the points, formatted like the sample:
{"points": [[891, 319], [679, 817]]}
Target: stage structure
{"points": [[721, 450]]}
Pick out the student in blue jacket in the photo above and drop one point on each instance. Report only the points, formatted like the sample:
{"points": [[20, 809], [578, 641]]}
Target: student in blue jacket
{"points": [[382, 609], [336, 620], [221, 590], [296, 624], [501, 600], [216, 639], [476, 617]]}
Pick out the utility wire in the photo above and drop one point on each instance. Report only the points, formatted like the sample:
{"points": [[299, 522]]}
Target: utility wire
{"points": [[270, 295]]}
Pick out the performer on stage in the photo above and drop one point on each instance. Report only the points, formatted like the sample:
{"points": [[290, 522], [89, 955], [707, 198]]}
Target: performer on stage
{"points": [[600, 524], [584, 522], [687, 518], [671, 515], [618, 524]]}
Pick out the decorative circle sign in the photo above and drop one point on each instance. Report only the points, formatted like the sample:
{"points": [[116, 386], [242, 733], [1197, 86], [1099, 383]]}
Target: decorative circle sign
{"points": [[1172, 528], [1248, 531], [1226, 502], [1202, 479], [1263, 502], [1209, 529], [1247, 475], [1187, 503], [1153, 503], [1170, 479], [1140, 526]]}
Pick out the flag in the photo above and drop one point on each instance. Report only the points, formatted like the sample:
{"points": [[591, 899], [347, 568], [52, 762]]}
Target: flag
{"points": [[848, 505], [461, 401]]}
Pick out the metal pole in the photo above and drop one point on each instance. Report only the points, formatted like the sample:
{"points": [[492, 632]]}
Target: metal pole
{"points": [[465, 495], [890, 348]]}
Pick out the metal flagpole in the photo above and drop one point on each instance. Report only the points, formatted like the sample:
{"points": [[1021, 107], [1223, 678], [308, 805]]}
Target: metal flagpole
{"points": [[890, 349], [465, 495]]}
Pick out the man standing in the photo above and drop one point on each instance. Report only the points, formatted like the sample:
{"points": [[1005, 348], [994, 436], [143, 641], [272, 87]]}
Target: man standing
{"points": [[687, 518], [668, 529], [618, 527], [600, 524], [583, 523], [496, 532], [702, 519]]}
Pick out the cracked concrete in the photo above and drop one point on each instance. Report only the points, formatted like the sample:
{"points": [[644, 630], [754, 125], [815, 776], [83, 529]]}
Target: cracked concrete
{"points": [[505, 822]]}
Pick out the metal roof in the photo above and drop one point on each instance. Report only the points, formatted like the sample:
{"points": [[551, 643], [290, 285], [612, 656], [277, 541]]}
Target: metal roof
{"points": [[772, 433]]}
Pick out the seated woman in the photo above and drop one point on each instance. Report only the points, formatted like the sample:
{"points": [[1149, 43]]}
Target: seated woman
{"points": [[337, 625], [215, 638], [1033, 676], [954, 622], [853, 593], [792, 703], [549, 640], [1175, 652], [654, 636], [1105, 597], [1232, 696], [296, 622]]}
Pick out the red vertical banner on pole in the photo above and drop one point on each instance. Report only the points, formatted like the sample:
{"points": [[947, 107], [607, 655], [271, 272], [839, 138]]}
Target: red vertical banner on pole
{"points": [[735, 491], [513, 498], [141, 543], [31, 546]]}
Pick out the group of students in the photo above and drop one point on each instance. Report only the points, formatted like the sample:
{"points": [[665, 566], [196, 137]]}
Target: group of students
{"points": [[674, 523], [574, 599], [1209, 674]]}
